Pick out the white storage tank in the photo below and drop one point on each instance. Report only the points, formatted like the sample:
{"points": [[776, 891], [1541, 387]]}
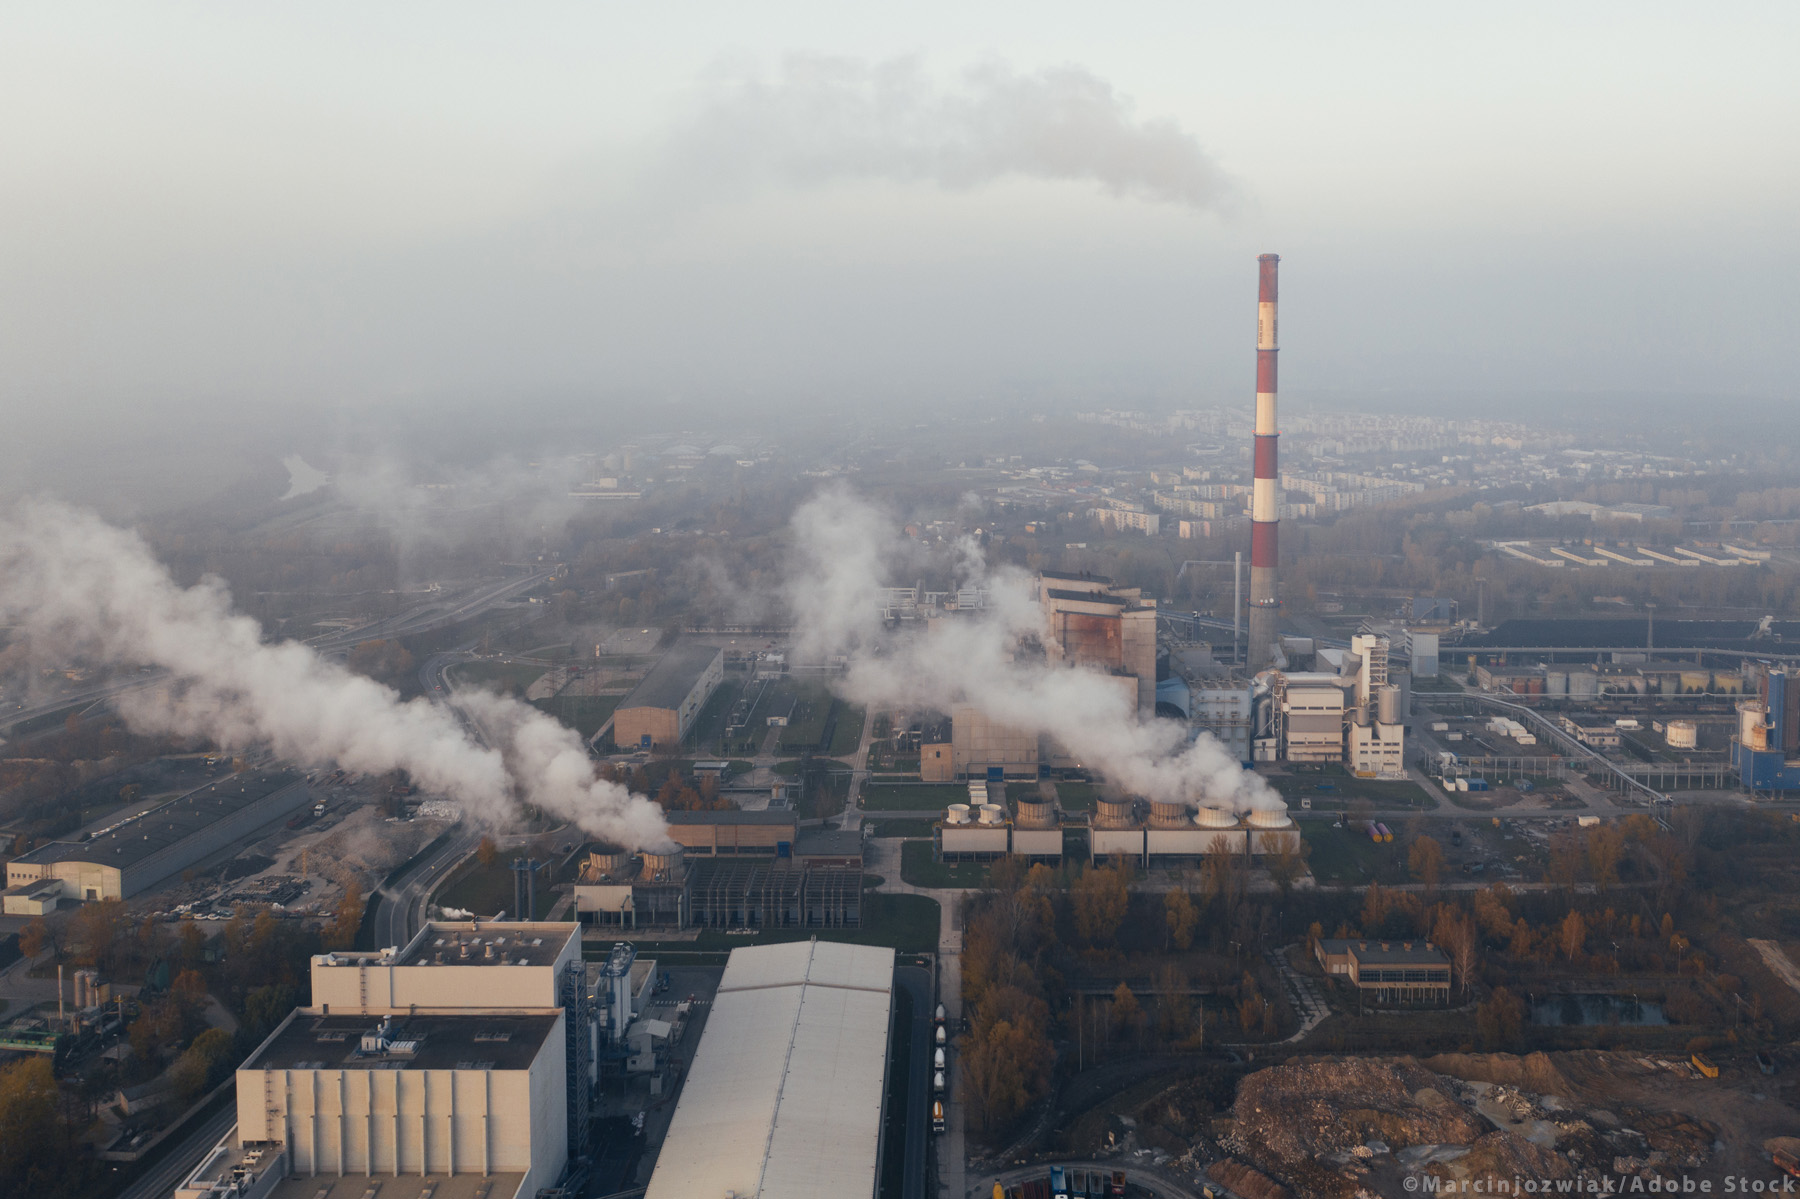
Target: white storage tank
{"points": [[1556, 682], [1683, 734]]}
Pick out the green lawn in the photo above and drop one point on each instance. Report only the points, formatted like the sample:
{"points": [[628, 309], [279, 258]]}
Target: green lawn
{"points": [[918, 869], [1332, 789], [505, 675], [1348, 856], [909, 827], [583, 713], [848, 735], [1075, 796], [912, 797], [787, 770], [486, 891]]}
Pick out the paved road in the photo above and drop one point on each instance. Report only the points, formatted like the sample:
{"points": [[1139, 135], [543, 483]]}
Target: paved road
{"points": [[162, 1178]]}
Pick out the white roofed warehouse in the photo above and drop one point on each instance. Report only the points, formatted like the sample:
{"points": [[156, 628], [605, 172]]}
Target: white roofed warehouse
{"points": [[785, 1096]]}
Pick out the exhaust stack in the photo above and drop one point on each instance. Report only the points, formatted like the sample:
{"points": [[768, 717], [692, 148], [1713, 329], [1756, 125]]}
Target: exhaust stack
{"points": [[1265, 515]]}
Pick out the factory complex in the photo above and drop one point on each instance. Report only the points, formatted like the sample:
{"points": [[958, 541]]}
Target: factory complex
{"points": [[144, 850], [463, 1060], [787, 1095]]}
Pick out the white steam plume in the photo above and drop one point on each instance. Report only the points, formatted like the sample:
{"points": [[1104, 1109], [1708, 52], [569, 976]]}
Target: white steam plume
{"points": [[825, 119], [835, 601], [74, 585]]}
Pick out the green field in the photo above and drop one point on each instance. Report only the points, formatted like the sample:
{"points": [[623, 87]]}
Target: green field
{"points": [[787, 770], [848, 735], [1074, 796], [918, 869], [908, 827], [486, 891], [1332, 789], [583, 713], [1346, 856], [504, 675], [912, 797]]}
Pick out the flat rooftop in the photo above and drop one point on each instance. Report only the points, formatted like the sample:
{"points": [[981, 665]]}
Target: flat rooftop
{"points": [[1089, 597], [474, 1042], [784, 1098], [829, 843], [468, 943], [173, 822], [670, 680], [1387, 953]]}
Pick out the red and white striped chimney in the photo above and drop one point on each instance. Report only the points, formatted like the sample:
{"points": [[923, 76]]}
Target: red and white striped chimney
{"points": [[1265, 513]]}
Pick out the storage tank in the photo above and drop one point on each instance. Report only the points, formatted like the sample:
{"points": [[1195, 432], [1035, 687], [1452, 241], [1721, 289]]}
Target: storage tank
{"points": [[1166, 813], [1112, 813], [1036, 814], [1556, 682], [1583, 684], [956, 813], [993, 813], [1683, 734], [1388, 705]]}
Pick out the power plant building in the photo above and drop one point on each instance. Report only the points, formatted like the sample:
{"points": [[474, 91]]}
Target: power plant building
{"points": [[1766, 750], [662, 708], [145, 850], [1355, 716], [786, 1096], [460, 1063], [1090, 622]]}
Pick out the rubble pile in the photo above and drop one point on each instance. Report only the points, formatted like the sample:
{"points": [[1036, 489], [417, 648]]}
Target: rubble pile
{"points": [[1306, 1110]]}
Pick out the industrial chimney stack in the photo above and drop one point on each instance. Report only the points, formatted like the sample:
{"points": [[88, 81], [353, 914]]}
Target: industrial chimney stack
{"points": [[1265, 516]]}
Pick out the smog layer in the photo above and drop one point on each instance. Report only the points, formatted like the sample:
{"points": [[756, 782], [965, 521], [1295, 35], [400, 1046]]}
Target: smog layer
{"points": [[74, 585]]}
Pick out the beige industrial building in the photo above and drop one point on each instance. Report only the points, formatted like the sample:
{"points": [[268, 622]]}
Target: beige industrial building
{"points": [[786, 1095], [767, 833], [138, 853], [447, 1063], [1172, 833], [662, 708]]}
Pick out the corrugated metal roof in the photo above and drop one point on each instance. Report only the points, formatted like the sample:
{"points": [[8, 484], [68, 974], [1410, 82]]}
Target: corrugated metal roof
{"points": [[670, 680], [784, 1096]]}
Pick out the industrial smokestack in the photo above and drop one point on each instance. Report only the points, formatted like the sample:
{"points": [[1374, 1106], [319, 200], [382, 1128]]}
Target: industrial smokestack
{"points": [[1265, 522]]}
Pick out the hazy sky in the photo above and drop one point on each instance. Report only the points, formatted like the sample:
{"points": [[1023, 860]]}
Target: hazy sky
{"points": [[264, 209]]}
